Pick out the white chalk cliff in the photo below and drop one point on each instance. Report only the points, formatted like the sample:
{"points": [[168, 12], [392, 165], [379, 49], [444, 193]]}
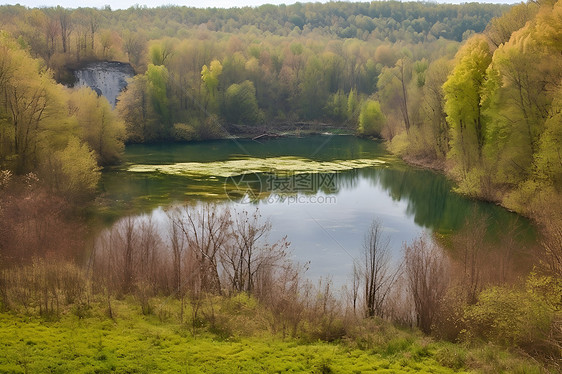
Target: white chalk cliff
{"points": [[106, 78]]}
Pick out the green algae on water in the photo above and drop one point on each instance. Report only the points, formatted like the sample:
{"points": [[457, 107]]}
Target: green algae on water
{"points": [[273, 165]]}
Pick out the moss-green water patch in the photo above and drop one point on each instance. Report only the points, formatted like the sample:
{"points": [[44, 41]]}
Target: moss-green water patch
{"points": [[274, 165]]}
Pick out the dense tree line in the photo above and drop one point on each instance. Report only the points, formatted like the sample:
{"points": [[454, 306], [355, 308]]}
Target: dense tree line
{"points": [[84, 31], [387, 69], [58, 134], [205, 69], [492, 114], [392, 19]]}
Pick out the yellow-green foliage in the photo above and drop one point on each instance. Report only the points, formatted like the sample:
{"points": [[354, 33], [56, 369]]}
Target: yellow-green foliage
{"points": [[548, 286], [100, 127], [184, 132], [136, 343], [415, 143], [463, 92], [73, 171], [240, 105], [548, 159], [400, 144], [502, 102], [371, 118], [47, 129], [509, 317]]}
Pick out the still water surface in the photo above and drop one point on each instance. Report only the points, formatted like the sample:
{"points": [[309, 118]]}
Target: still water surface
{"points": [[322, 192]]}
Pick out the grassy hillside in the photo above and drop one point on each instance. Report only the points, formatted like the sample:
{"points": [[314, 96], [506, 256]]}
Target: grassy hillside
{"points": [[235, 339]]}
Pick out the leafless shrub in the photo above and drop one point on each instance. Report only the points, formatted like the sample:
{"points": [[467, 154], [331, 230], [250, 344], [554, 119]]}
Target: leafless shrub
{"points": [[471, 256], [324, 312], [5, 179], [36, 224], [128, 258], [248, 253], [400, 304], [550, 220], [44, 286], [378, 276], [206, 231], [278, 288], [427, 275]]}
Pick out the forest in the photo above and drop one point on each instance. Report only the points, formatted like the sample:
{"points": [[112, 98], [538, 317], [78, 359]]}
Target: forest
{"points": [[472, 90], [454, 87]]}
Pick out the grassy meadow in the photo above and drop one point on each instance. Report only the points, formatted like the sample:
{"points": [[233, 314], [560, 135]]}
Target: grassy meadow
{"points": [[238, 338]]}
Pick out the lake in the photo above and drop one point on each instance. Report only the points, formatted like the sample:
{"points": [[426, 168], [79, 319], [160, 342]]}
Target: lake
{"points": [[322, 192]]}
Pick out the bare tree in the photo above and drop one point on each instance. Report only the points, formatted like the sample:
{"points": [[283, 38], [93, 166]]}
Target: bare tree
{"points": [[471, 247], [127, 243], [378, 275], [51, 31], [279, 289], [134, 44], [178, 246], [206, 231], [551, 225], [65, 21], [248, 252], [356, 283], [426, 269], [149, 246], [402, 76], [94, 25]]}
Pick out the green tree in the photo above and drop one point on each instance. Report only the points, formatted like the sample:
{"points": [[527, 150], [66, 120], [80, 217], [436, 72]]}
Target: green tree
{"points": [[101, 128], [509, 317], [240, 104], [336, 107], [353, 106], [133, 109], [435, 122], [210, 77], [157, 81], [72, 171], [499, 29], [371, 119], [548, 159], [313, 89], [516, 104], [463, 104], [394, 91], [33, 119], [162, 51]]}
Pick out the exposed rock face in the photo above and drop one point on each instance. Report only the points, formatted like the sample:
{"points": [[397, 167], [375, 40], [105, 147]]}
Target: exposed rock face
{"points": [[106, 78]]}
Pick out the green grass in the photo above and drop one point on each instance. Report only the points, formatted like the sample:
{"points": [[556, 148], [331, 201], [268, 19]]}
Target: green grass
{"points": [[134, 343]]}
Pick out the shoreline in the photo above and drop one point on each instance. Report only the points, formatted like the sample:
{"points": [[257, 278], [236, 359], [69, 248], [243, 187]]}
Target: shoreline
{"points": [[440, 166]]}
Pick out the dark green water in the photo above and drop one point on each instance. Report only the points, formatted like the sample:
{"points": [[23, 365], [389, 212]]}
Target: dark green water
{"points": [[324, 215]]}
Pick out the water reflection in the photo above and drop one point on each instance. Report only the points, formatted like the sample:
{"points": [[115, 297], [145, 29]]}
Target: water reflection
{"points": [[327, 232]]}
